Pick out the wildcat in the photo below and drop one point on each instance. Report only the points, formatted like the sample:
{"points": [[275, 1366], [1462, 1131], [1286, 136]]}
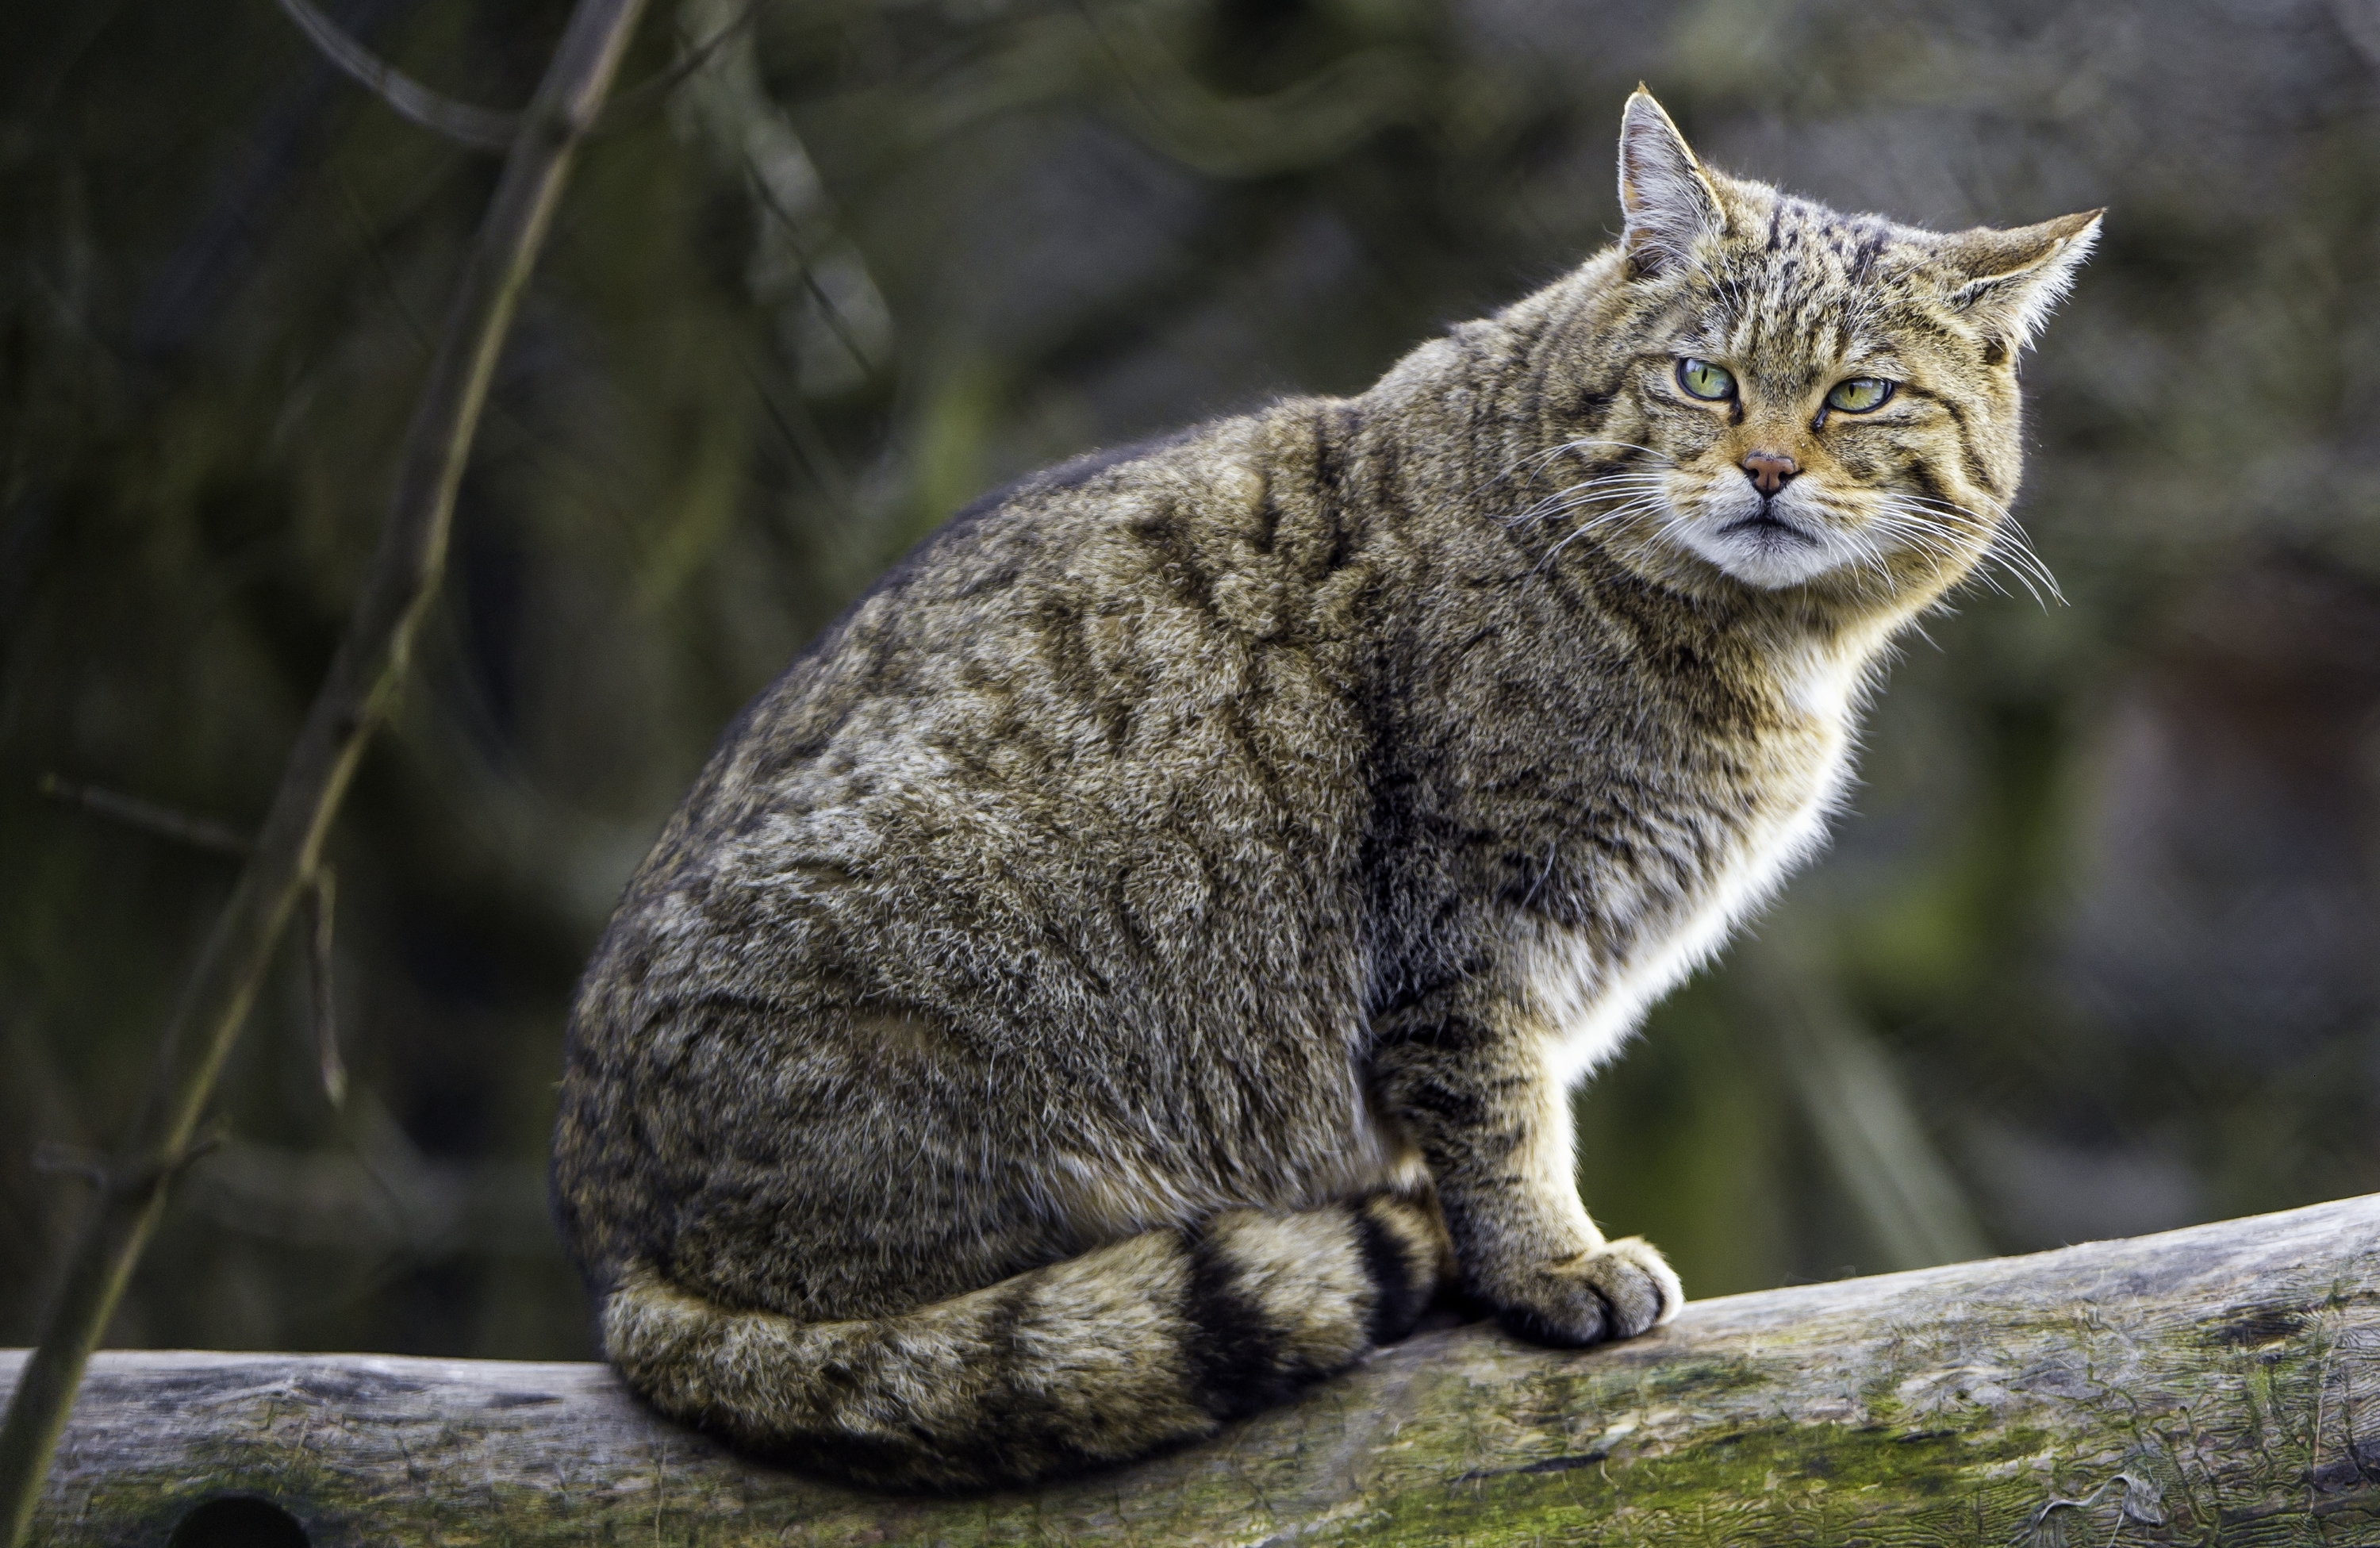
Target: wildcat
{"points": [[1144, 949]]}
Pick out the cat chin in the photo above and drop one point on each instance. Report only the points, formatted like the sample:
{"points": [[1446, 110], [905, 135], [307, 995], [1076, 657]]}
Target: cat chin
{"points": [[1773, 577]]}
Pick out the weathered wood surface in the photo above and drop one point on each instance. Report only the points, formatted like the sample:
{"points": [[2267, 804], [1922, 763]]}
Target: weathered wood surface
{"points": [[2218, 1384]]}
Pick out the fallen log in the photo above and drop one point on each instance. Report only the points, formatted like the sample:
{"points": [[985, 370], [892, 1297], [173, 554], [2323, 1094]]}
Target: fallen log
{"points": [[2220, 1384]]}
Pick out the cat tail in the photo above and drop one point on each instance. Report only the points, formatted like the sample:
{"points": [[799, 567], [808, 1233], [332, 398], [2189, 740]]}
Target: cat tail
{"points": [[1139, 1344]]}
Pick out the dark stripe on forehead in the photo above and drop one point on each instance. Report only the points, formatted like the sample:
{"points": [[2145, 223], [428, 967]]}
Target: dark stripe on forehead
{"points": [[1872, 243], [1914, 320]]}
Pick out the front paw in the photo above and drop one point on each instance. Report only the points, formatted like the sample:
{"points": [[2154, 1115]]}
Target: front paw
{"points": [[1616, 1291]]}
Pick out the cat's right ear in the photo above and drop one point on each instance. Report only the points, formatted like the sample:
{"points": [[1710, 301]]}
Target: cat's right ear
{"points": [[1664, 195]]}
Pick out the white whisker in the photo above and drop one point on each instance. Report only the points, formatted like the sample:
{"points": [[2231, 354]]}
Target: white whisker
{"points": [[1574, 495], [1536, 460], [1634, 507], [2005, 548]]}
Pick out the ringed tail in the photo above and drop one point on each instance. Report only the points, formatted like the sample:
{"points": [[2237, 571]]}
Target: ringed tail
{"points": [[1143, 1344]]}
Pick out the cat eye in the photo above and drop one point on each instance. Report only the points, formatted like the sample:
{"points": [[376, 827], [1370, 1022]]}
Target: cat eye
{"points": [[1859, 394], [1705, 380]]}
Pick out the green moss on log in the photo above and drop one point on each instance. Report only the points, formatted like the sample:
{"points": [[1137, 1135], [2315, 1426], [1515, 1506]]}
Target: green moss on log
{"points": [[2219, 1385]]}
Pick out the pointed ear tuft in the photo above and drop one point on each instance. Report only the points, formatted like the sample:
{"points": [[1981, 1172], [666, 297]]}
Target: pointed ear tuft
{"points": [[2009, 281], [1664, 193]]}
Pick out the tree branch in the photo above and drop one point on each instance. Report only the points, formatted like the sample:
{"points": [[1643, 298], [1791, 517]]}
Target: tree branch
{"points": [[322, 906], [654, 87], [480, 127], [364, 678], [483, 129], [199, 833], [2218, 1383]]}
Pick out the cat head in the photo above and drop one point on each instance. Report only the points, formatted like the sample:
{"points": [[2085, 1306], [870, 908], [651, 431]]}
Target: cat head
{"points": [[1798, 398]]}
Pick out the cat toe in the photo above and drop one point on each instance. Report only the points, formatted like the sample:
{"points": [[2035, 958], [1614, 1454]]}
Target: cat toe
{"points": [[1618, 1290]]}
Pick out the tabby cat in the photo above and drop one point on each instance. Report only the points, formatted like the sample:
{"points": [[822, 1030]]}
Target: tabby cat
{"points": [[1143, 951]]}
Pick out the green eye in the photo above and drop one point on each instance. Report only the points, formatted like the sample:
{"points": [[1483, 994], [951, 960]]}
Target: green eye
{"points": [[1705, 380], [1859, 394]]}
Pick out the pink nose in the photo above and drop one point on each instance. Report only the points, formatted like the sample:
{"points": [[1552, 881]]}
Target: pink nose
{"points": [[1769, 473]]}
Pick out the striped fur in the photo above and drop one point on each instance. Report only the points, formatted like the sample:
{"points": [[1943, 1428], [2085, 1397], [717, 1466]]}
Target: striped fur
{"points": [[1148, 943], [1142, 1344]]}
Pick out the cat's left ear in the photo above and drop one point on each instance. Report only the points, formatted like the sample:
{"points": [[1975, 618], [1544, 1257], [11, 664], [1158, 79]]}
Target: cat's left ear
{"points": [[2009, 281]]}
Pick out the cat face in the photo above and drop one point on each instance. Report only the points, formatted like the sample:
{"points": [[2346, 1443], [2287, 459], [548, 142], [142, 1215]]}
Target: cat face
{"points": [[1804, 398]]}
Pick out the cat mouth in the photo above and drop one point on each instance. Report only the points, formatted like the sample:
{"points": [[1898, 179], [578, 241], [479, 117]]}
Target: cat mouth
{"points": [[1765, 546], [1767, 528]]}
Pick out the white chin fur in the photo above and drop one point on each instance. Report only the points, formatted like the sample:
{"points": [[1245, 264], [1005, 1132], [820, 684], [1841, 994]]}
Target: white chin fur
{"points": [[1794, 547]]}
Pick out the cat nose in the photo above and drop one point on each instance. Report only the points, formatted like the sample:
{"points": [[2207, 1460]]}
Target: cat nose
{"points": [[1769, 473]]}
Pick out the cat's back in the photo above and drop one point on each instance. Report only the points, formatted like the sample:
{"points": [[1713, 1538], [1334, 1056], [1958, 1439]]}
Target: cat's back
{"points": [[1079, 635], [1063, 812]]}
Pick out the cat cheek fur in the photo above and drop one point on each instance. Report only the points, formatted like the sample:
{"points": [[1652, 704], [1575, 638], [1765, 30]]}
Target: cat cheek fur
{"points": [[1143, 950]]}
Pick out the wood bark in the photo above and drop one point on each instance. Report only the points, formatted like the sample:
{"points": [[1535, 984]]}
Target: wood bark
{"points": [[2216, 1384]]}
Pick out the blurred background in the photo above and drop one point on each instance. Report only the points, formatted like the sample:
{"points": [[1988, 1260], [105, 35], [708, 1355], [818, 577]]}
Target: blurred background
{"points": [[2096, 953]]}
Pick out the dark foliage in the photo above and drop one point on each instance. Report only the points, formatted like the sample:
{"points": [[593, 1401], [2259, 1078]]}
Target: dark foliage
{"points": [[2098, 951]]}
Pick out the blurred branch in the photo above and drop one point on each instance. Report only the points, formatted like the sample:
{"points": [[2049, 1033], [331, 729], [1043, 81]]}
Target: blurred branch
{"points": [[1113, 55], [54, 1160], [382, 1198], [1906, 1194], [386, 1199], [319, 900], [1888, 1164], [648, 92], [479, 128], [36, 1100], [364, 679], [2359, 20], [423, 1213], [1302, 125], [828, 308], [801, 434], [222, 251], [199, 833], [483, 129], [829, 312], [51, 1159]]}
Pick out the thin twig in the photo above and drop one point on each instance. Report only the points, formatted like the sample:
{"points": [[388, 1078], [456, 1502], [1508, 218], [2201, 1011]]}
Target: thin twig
{"points": [[364, 679], [483, 128], [625, 106], [801, 433], [199, 833], [833, 313], [468, 123], [53, 1159], [321, 902]]}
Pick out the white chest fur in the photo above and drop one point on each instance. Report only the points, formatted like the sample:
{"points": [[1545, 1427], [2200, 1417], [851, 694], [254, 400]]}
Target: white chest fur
{"points": [[1590, 988]]}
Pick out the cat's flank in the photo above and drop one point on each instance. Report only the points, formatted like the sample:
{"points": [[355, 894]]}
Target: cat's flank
{"points": [[1145, 949]]}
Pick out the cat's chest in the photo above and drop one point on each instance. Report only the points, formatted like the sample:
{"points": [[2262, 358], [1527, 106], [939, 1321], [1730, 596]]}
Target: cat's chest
{"points": [[1693, 870]]}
